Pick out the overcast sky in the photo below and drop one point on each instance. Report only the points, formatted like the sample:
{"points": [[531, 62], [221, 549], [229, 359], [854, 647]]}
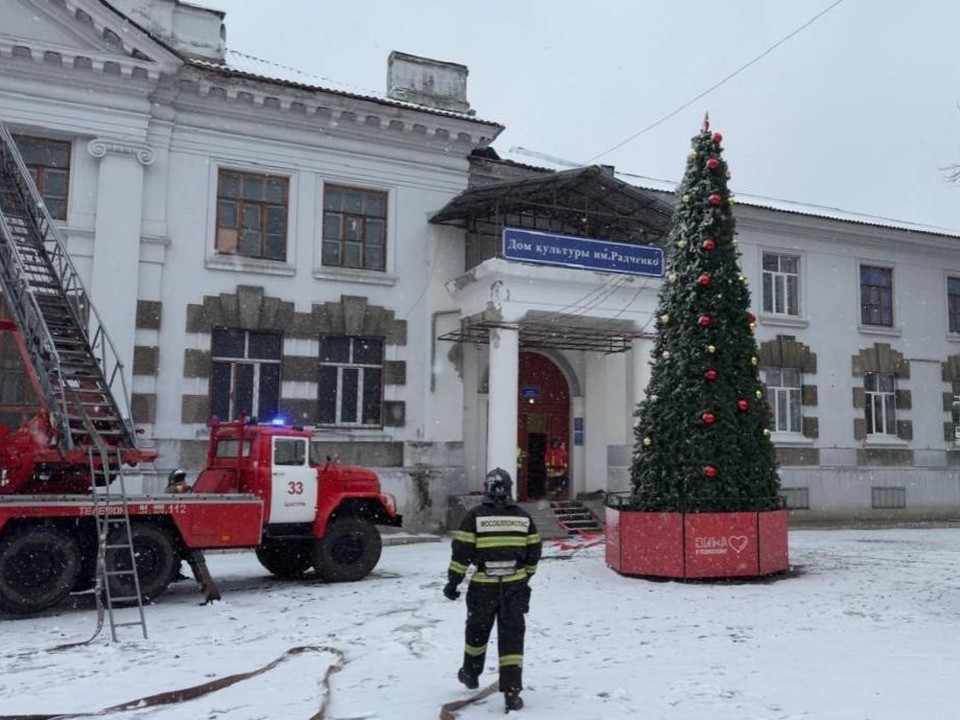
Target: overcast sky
{"points": [[857, 111]]}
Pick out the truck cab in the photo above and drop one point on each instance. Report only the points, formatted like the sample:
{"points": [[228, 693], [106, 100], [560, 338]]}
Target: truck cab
{"points": [[316, 514]]}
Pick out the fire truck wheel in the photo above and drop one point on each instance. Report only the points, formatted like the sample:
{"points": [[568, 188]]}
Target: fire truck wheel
{"points": [[38, 567], [348, 551], [287, 559], [157, 559]]}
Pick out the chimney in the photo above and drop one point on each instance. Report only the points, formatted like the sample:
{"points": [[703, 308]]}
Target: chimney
{"points": [[195, 31], [432, 83]]}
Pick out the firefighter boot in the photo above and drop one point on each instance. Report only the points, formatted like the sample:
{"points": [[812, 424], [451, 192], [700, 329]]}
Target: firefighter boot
{"points": [[512, 700], [467, 679]]}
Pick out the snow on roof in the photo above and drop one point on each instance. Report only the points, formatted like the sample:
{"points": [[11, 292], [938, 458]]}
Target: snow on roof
{"points": [[241, 64], [548, 163], [821, 211]]}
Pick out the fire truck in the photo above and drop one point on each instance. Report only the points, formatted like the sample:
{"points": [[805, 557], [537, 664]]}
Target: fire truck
{"points": [[67, 522]]}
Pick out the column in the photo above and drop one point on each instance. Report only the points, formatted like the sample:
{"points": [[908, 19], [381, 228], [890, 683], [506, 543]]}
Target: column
{"points": [[502, 408], [114, 281]]}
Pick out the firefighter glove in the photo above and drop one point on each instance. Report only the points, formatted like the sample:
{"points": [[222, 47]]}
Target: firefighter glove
{"points": [[450, 591]]}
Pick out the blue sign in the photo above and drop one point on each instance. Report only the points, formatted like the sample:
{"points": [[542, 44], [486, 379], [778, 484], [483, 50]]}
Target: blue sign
{"points": [[530, 391], [578, 431], [566, 251]]}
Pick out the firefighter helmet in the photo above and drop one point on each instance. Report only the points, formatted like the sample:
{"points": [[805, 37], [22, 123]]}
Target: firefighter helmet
{"points": [[497, 487], [177, 476]]}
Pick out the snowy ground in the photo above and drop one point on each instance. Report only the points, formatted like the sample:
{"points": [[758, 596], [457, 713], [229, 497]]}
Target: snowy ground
{"points": [[867, 628]]}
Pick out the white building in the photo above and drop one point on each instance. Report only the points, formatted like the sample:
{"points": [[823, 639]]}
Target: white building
{"points": [[258, 241]]}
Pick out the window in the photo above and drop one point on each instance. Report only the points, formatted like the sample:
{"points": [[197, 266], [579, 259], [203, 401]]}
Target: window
{"points": [[49, 164], [354, 228], [955, 410], [245, 374], [289, 451], [18, 403], [351, 380], [953, 304], [252, 215], [781, 284], [880, 403], [783, 397], [229, 448], [876, 296]]}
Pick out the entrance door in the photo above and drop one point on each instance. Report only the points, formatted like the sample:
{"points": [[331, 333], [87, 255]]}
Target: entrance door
{"points": [[543, 416], [536, 465]]}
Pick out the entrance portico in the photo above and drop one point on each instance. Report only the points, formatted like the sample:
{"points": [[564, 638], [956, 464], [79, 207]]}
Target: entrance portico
{"points": [[559, 346]]}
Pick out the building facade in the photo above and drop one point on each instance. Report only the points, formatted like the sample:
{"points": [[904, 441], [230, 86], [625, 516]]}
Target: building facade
{"points": [[258, 243]]}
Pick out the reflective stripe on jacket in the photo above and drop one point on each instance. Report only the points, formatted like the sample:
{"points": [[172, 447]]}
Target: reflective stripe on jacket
{"points": [[492, 534]]}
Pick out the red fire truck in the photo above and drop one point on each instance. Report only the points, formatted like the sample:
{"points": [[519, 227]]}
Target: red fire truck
{"points": [[62, 518]]}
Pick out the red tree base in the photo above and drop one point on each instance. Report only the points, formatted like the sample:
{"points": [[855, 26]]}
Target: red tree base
{"points": [[697, 545]]}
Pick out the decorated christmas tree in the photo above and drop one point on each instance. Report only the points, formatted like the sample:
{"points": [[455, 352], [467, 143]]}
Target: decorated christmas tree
{"points": [[702, 437]]}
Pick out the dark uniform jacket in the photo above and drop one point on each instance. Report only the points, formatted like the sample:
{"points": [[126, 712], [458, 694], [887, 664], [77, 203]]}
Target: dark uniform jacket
{"points": [[502, 542]]}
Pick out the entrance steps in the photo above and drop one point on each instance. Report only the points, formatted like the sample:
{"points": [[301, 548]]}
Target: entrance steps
{"points": [[557, 519], [575, 517]]}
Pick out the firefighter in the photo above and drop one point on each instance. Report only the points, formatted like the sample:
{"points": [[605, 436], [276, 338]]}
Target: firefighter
{"points": [[177, 482], [556, 463], [500, 539]]}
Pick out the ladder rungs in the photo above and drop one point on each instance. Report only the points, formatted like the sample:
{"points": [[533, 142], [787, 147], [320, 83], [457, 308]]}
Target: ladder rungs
{"points": [[126, 598], [127, 624], [117, 573]]}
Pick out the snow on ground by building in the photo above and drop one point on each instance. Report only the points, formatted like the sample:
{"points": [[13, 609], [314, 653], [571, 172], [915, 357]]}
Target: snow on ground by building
{"points": [[866, 628]]}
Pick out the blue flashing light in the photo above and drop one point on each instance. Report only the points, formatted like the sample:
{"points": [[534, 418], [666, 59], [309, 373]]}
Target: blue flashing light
{"points": [[277, 421]]}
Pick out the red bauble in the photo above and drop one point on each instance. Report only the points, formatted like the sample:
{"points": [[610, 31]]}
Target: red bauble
{"points": [[752, 317], [717, 138], [704, 321], [708, 418], [709, 244], [742, 405], [713, 163], [715, 199], [710, 375], [704, 280], [710, 471]]}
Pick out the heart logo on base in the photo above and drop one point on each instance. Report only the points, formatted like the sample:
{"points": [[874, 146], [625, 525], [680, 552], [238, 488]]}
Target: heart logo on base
{"points": [[738, 542]]}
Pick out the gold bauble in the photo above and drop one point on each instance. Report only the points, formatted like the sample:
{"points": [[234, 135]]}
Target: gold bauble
{"points": [[665, 355], [711, 349], [753, 360], [647, 441]]}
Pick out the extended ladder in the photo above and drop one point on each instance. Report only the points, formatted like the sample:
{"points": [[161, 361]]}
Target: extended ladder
{"points": [[77, 368], [74, 361], [116, 554]]}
